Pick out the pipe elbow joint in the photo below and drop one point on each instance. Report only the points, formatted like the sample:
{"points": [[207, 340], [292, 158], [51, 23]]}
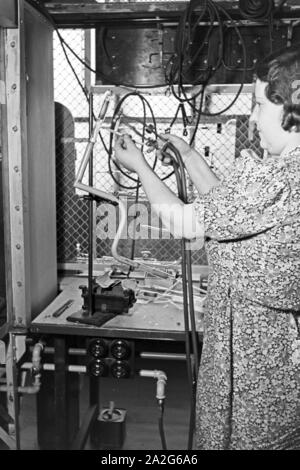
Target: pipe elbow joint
{"points": [[36, 358], [161, 385]]}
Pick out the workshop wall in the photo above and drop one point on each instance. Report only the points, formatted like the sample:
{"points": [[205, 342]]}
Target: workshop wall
{"points": [[41, 159], [2, 261]]}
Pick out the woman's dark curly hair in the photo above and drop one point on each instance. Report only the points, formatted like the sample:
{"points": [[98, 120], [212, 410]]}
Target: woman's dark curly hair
{"points": [[281, 71]]}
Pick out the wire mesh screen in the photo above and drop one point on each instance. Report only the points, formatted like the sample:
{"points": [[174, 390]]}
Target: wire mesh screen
{"points": [[219, 139], [71, 108]]}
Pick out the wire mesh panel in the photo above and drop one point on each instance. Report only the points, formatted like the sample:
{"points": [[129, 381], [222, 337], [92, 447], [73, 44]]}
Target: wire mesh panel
{"points": [[219, 139], [70, 109]]}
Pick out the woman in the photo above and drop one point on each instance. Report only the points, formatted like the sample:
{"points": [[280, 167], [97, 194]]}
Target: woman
{"points": [[249, 379]]}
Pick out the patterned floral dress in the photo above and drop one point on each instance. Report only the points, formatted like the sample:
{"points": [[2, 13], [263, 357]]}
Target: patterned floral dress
{"points": [[248, 393]]}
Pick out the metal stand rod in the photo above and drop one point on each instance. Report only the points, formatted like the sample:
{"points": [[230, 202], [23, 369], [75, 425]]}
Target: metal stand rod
{"points": [[91, 215]]}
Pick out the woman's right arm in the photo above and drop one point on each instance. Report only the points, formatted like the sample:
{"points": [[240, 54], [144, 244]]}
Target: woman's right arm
{"points": [[177, 217]]}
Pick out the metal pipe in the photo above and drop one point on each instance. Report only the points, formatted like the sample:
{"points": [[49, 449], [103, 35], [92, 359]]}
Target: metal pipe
{"points": [[47, 366], [35, 367], [163, 356], [71, 351], [30, 389], [91, 215], [93, 134], [36, 357]]}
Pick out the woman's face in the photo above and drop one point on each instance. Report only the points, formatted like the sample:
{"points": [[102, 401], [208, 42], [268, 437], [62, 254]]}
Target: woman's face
{"points": [[268, 119]]}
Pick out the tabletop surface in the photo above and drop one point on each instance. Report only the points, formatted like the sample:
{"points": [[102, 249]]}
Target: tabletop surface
{"points": [[163, 320]]}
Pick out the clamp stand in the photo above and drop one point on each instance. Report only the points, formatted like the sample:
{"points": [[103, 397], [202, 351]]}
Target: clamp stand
{"points": [[89, 316]]}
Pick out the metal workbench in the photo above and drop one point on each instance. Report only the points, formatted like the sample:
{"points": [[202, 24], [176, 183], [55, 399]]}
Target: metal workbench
{"points": [[148, 327]]}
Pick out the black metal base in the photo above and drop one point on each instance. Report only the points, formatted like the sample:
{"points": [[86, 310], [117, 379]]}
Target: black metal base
{"points": [[96, 319]]}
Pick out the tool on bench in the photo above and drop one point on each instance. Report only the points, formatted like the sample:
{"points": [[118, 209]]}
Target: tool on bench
{"points": [[62, 309]]}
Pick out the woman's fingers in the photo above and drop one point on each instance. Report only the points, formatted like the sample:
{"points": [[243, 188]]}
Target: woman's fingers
{"points": [[166, 161], [164, 158], [124, 142], [169, 138]]}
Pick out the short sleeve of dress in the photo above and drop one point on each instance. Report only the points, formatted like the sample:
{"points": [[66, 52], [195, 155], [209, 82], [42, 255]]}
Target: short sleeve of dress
{"points": [[251, 200]]}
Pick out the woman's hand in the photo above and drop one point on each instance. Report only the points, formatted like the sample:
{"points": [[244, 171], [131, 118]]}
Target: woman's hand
{"points": [[181, 145], [128, 154]]}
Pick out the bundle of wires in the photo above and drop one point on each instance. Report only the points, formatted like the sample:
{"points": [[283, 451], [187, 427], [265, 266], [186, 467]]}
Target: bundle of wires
{"points": [[181, 65], [116, 121]]}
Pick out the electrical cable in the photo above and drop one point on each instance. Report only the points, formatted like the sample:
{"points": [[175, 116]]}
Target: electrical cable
{"points": [[190, 374], [115, 119], [81, 86], [217, 10], [74, 72], [271, 29], [192, 139], [83, 90], [188, 304], [243, 69], [161, 427], [184, 41], [174, 118]]}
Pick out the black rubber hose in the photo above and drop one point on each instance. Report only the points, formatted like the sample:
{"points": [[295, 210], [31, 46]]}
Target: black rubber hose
{"points": [[161, 427], [187, 294]]}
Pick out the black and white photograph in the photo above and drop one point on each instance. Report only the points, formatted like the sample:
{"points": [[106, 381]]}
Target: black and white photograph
{"points": [[149, 228]]}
